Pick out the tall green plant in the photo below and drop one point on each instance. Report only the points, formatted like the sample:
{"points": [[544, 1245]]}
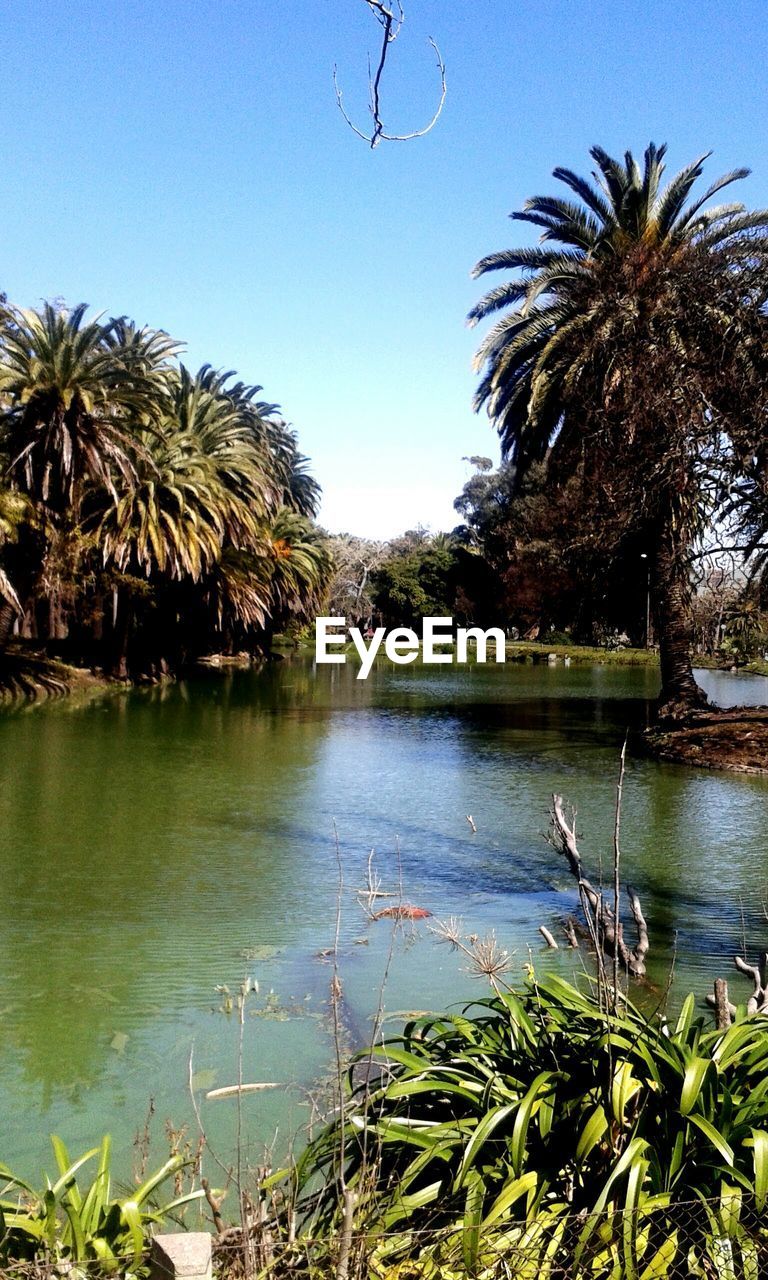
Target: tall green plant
{"points": [[540, 1127], [630, 353], [83, 1224]]}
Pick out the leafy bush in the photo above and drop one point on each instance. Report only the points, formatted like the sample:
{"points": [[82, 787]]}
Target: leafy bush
{"points": [[74, 1224], [541, 1125]]}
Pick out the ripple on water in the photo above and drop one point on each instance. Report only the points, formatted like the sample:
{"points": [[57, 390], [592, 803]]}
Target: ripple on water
{"points": [[158, 847]]}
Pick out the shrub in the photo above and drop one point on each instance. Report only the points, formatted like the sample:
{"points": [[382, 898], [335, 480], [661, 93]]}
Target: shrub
{"points": [[543, 1125], [72, 1224]]}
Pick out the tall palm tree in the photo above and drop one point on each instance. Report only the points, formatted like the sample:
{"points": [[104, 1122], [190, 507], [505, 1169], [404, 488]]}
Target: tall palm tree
{"points": [[298, 488], [628, 352], [301, 567], [14, 509], [75, 389]]}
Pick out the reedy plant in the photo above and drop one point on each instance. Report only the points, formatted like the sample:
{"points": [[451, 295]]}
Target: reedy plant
{"points": [[81, 1226], [541, 1132]]}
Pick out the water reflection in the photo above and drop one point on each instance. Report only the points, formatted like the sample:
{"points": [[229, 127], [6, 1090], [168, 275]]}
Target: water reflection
{"points": [[159, 843]]}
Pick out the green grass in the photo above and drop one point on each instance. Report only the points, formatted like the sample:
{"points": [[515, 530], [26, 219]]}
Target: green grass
{"points": [[521, 650]]}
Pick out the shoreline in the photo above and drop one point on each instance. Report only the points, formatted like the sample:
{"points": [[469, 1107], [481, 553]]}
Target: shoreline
{"points": [[732, 740]]}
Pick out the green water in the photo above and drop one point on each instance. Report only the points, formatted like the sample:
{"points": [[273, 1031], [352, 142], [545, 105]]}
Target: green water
{"points": [[157, 844]]}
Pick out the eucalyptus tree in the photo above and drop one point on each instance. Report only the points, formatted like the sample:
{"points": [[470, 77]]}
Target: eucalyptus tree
{"points": [[630, 353]]}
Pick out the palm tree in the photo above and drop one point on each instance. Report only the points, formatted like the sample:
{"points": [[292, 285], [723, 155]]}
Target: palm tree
{"points": [[14, 510], [301, 569], [76, 388], [629, 353], [298, 489], [199, 486], [74, 392]]}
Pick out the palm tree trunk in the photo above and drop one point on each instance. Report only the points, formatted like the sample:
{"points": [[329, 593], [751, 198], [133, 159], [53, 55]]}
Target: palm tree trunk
{"points": [[122, 614], [670, 583], [8, 616]]}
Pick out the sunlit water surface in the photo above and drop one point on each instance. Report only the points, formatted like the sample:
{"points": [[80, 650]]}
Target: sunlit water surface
{"points": [[157, 845]]}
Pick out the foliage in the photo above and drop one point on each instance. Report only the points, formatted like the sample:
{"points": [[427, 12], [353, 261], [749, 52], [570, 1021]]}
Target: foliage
{"points": [[630, 353], [433, 575], [151, 513], [350, 588], [73, 1223], [600, 1143], [416, 575], [538, 539]]}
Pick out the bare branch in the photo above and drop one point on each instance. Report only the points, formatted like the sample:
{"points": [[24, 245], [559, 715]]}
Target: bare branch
{"points": [[641, 950], [604, 925], [757, 999], [391, 23]]}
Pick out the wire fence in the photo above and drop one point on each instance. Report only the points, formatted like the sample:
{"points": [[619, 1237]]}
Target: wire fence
{"points": [[722, 1239]]}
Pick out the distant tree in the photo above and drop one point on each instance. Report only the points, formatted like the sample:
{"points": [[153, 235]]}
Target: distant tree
{"points": [[433, 576], [552, 571], [631, 352], [355, 560]]}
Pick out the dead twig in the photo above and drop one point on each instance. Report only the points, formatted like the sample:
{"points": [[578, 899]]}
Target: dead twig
{"points": [[391, 21]]}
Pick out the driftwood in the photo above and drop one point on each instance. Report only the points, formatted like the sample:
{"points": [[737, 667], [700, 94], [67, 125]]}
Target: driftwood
{"points": [[757, 1002], [724, 1010], [569, 929], [606, 929]]}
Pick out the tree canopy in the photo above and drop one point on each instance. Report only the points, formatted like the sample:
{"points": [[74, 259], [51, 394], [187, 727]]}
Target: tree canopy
{"points": [[631, 356], [148, 514]]}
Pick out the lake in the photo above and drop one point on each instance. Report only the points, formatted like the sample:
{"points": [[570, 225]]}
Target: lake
{"points": [[159, 844]]}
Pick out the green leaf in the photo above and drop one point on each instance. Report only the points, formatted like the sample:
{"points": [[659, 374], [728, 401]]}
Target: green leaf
{"points": [[512, 1192], [97, 1198], [695, 1074], [60, 1152], [591, 1133], [68, 1176], [760, 1159], [685, 1019], [12, 1181], [522, 1120], [79, 1251], [171, 1166], [717, 1139], [473, 1210], [624, 1086], [49, 1217], [490, 1121], [660, 1266], [132, 1219]]}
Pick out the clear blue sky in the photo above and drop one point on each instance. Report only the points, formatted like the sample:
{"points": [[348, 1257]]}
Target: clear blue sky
{"points": [[185, 163]]}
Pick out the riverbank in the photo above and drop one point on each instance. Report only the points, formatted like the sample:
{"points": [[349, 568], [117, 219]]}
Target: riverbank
{"points": [[594, 655], [735, 740], [29, 676]]}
